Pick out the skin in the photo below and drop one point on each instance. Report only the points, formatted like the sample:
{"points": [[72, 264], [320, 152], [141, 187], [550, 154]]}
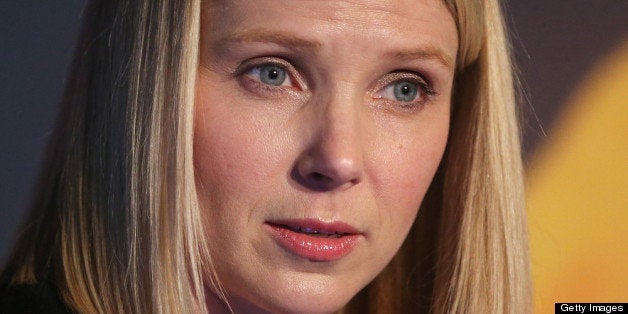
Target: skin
{"points": [[332, 142]]}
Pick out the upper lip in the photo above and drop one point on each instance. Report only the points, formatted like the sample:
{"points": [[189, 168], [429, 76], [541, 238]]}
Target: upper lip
{"points": [[315, 226]]}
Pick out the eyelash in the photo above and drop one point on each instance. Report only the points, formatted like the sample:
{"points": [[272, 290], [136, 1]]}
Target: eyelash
{"points": [[424, 95], [242, 74]]}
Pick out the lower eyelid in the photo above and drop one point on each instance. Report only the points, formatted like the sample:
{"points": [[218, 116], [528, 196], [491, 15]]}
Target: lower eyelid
{"points": [[399, 108], [255, 87], [254, 84]]}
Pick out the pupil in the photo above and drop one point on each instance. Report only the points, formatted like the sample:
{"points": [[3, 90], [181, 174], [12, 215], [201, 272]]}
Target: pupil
{"points": [[272, 74]]}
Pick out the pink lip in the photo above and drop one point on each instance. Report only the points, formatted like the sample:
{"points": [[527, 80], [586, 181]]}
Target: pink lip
{"points": [[295, 236]]}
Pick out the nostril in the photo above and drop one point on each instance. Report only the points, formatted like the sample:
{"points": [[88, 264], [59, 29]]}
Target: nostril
{"points": [[319, 177], [324, 174]]}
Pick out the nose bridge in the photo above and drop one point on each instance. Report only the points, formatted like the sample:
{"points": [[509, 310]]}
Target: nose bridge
{"points": [[340, 133], [334, 157], [340, 122]]}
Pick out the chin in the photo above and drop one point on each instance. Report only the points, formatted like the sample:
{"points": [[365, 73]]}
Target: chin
{"points": [[306, 305], [304, 296]]}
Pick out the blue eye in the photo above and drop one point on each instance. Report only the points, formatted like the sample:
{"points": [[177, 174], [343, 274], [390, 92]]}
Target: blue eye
{"points": [[270, 74], [405, 91]]}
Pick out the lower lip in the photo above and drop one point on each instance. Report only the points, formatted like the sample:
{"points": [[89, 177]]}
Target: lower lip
{"points": [[318, 249]]}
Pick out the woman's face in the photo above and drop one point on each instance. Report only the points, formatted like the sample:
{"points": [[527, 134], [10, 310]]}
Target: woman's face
{"points": [[318, 128]]}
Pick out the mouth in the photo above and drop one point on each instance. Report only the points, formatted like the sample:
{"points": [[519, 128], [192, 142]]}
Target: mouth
{"points": [[313, 239], [317, 229]]}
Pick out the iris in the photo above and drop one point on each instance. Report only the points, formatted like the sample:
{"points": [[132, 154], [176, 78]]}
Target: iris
{"points": [[405, 91], [272, 75]]}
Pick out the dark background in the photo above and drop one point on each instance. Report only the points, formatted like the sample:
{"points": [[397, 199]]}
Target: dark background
{"points": [[555, 44]]}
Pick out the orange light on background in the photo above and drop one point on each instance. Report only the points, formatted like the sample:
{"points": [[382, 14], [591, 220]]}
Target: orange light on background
{"points": [[577, 194]]}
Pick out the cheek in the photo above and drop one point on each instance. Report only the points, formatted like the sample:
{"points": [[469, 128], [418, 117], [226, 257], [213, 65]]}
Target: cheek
{"points": [[219, 170], [225, 170], [229, 148], [405, 171], [222, 156], [416, 172]]}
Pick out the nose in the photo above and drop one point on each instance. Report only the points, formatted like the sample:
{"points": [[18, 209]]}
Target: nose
{"points": [[333, 157]]}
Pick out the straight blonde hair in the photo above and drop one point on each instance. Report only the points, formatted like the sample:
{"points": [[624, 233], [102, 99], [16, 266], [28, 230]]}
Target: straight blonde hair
{"points": [[116, 224], [468, 249]]}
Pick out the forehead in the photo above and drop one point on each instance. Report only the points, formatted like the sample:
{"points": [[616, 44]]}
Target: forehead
{"points": [[333, 11], [367, 24]]}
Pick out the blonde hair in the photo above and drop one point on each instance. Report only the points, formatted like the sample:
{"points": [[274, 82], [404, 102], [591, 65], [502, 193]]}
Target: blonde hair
{"points": [[468, 249], [116, 224]]}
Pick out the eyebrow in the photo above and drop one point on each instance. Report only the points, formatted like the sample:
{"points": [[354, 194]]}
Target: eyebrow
{"points": [[290, 40], [264, 35], [429, 52]]}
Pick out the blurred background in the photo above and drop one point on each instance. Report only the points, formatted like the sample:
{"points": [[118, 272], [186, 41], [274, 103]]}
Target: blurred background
{"points": [[572, 61]]}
